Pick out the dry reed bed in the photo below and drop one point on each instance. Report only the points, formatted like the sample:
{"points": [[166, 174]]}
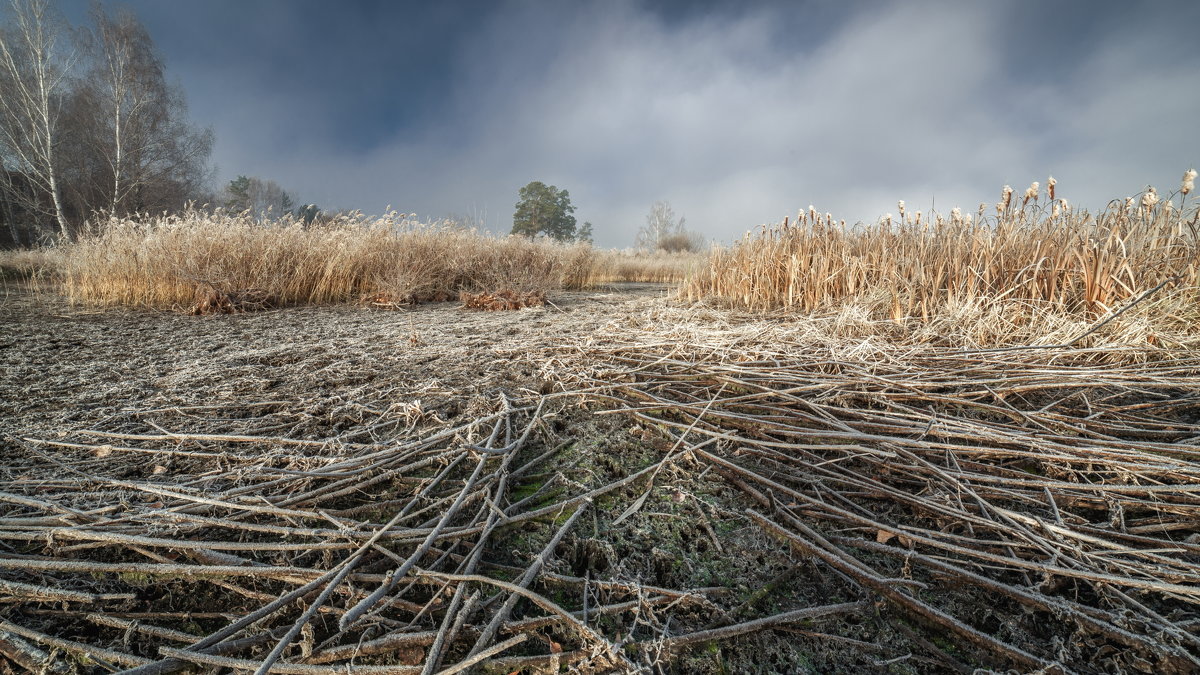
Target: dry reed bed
{"points": [[1063, 486], [30, 264], [163, 262], [661, 267], [1047, 258]]}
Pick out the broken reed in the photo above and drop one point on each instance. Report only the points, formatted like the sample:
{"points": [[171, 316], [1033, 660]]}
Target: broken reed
{"points": [[163, 261], [1047, 256]]}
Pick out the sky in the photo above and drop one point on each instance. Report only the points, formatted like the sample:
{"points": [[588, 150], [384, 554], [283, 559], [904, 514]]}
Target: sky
{"points": [[736, 113]]}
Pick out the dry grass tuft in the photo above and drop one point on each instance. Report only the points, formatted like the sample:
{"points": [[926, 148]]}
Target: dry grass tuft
{"points": [[219, 262], [1008, 271]]}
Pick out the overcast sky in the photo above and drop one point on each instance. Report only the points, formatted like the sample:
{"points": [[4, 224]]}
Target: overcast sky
{"points": [[737, 113]]}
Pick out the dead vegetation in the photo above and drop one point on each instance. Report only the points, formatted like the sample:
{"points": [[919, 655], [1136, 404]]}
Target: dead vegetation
{"points": [[660, 267], [734, 496], [942, 466], [1056, 485], [191, 260], [1030, 257], [502, 300], [210, 300], [169, 261]]}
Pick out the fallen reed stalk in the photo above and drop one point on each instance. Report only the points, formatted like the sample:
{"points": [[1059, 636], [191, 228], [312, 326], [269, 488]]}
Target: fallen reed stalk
{"points": [[1051, 478]]}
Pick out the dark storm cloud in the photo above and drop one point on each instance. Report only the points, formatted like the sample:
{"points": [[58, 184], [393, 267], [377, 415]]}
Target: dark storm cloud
{"points": [[738, 115]]}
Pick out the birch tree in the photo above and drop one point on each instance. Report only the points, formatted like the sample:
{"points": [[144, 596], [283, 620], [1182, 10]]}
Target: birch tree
{"points": [[138, 151], [661, 223], [35, 64]]}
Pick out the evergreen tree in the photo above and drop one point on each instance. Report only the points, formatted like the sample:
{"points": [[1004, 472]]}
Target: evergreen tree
{"points": [[544, 209]]}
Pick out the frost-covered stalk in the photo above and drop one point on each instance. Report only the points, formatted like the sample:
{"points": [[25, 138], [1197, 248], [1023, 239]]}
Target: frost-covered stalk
{"points": [[1031, 194], [1149, 201], [1005, 200]]}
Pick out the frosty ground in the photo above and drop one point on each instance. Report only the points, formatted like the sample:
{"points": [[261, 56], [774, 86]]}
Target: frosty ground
{"points": [[349, 376]]}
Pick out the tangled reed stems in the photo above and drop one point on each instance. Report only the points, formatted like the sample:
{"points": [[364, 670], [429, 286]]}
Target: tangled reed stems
{"points": [[1045, 480], [299, 555]]}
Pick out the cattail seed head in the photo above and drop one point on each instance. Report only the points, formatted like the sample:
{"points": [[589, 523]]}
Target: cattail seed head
{"points": [[1005, 199], [1189, 181], [1031, 193], [956, 215], [1050, 183], [1149, 199], [887, 218]]}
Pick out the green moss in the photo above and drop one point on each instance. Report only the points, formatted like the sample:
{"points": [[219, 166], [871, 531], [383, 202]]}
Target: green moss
{"points": [[136, 579]]}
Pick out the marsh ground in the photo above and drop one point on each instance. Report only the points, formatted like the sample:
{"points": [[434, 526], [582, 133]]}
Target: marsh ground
{"points": [[350, 373]]}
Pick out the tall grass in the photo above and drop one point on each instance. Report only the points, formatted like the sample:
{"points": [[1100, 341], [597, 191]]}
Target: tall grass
{"points": [[1046, 256], [30, 265], [162, 262], [608, 266]]}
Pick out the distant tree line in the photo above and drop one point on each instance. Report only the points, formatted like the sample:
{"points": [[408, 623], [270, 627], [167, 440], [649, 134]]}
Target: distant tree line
{"points": [[89, 124]]}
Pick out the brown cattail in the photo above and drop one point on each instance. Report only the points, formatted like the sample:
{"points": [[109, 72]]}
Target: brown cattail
{"points": [[1050, 183], [1062, 203], [1149, 199], [1031, 193], [1005, 200]]}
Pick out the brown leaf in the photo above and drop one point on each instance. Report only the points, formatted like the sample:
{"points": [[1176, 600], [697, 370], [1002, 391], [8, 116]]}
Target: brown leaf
{"points": [[883, 536]]}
